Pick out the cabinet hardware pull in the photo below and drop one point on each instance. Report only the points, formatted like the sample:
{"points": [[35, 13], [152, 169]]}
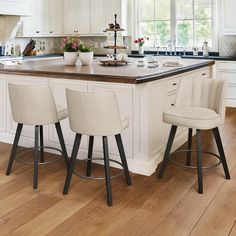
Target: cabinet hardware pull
{"points": [[203, 74], [172, 104], [50, 32], [37, 32], [174, 84]]}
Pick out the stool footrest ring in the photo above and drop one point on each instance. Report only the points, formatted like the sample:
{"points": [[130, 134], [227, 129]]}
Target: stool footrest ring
{"points": [[25, 150], [195, 167], [99, 178]]}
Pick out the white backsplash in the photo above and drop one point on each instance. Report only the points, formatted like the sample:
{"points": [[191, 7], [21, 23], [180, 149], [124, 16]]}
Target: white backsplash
{"points": [[52, 45], [227, 45]]}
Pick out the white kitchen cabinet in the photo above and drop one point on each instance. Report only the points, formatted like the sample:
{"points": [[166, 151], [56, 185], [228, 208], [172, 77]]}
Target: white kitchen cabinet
{"points": [[227, 70], [58, 87], [70, 17], [46, 19], [17, 8], [77, 17], [91, 17], [54, 17], [3, 103], [98, 16], [85, 17], [121, 8], [227, 17]]}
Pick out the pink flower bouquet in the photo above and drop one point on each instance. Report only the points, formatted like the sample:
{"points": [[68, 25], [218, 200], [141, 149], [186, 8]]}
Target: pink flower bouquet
{"points": [[141, 41], [71, 44]]}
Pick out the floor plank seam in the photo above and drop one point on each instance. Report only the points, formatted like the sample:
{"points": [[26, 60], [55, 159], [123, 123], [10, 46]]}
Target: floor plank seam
{"points": [[234, 224]]}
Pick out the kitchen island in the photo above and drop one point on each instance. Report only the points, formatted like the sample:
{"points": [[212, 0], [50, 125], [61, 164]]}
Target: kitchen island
{"points": [[143, 94]]}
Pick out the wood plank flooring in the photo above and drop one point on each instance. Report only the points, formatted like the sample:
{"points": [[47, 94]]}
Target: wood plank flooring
{"points": [[170, 206]]}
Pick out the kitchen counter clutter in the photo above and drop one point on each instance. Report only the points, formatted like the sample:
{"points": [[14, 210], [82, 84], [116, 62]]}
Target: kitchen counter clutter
{"points": [[143, 94]]}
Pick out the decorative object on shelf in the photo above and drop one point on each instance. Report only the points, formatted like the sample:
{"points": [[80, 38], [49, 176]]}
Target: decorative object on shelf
{"points": [[141, 42], [205, 49], [70, 45], [85, 55], [115, 43]]}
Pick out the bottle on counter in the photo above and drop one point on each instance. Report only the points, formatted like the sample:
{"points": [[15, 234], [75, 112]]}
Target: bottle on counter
{"points": [[12, 50], [205, 49]]}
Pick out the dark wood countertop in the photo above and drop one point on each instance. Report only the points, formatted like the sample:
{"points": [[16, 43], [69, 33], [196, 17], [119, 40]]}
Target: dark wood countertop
{"points": [[130, 74]]}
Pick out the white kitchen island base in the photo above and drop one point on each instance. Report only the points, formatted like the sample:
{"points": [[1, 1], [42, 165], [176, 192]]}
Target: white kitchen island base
{"points": [[144, 140]]}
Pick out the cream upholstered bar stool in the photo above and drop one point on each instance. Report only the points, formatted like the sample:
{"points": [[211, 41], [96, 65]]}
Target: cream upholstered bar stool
{"points": [[200, 105], [96, 114], [35, 105]]}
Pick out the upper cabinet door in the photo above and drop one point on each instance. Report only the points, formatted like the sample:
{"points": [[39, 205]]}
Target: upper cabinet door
{"points": [[83, 17], [121, 8], [114, 7], [70, 17], [45, 20], [36, 24], [227, 17], [98, 16], [55, 17]]}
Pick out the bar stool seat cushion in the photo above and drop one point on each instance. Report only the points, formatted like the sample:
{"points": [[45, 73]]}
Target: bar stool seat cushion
{"points": [[192, 117]]}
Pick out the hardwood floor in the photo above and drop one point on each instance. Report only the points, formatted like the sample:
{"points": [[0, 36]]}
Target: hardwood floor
{"points": [[170, 206]]}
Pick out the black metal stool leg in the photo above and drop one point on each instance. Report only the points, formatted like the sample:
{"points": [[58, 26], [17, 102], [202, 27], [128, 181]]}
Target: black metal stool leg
{"points": [[123, 158], [168, 149], [36, 156], [107, 170], [199, 161], [14, 148], [90, 155], [41, 145], [72, 162], [190, 134], [62, 143], [221, 152]]}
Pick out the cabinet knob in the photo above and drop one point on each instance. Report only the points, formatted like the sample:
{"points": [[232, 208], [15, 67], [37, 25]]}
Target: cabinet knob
{"points": [[172, 104], [203, 74], [50, 32], [174, 84], [37, 32]]}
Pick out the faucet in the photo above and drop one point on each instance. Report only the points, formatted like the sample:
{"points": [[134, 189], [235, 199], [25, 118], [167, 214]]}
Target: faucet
{"points": [[158, 50], [155, 45], [177, 47]]}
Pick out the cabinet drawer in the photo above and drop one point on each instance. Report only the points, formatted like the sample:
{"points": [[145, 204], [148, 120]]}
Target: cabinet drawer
{"points": [[204, 73], [171, 98], [229, 76], [173, 85], [222, 66]]}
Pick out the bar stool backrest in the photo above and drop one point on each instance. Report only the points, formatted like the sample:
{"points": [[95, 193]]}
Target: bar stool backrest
{"points": [[32, 105], [205, 93], [94, 114]]}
